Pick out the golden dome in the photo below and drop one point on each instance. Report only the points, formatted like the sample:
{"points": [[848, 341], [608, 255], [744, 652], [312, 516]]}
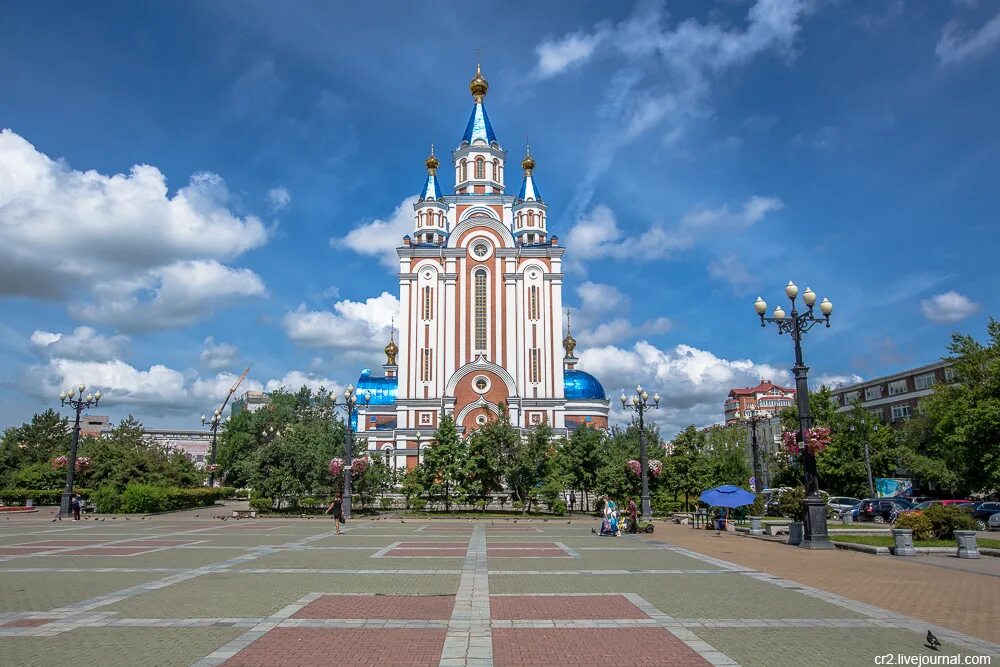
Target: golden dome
{"points": [[390, 352], [478, 86], [431, 161], [528, 163], [569, 343]]}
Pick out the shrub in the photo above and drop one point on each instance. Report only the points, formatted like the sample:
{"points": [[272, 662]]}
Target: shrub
{"points": [[39, 496], [419, 504], [921, 526], [140, 498], [385, 503], [106, 499], [946, 519], [260, 503], [790, 503], [559, 508], [663, 505]]}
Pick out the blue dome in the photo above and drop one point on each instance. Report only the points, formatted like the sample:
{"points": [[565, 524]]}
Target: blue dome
{"points": [[582, 386], [381, 389]]}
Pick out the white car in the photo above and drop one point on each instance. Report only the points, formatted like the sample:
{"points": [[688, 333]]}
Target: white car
{"points": [[993, 523]]}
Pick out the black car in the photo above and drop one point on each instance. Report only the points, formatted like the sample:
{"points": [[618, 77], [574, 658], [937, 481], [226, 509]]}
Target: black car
{"points": [[982, 512], [882, 510]]}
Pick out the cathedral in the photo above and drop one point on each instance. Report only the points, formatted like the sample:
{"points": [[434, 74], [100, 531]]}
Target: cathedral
{"points": [[480, 291]]}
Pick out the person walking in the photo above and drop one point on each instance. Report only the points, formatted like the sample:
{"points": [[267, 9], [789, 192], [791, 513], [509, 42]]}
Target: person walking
{"points": [[74, 504], [337, 506], [633, 516], [572, 501]]}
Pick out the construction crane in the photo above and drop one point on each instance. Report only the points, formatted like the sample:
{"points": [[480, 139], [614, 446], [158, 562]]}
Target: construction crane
{"points": [[215, 421]]}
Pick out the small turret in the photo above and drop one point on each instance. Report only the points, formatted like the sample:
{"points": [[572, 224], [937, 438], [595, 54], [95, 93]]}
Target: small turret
{"points": [[479, 160], [391, 350], [430, 218], [529, 209], [569, 344]]}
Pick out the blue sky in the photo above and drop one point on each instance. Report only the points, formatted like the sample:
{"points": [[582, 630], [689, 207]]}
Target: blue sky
{"points": [[692, 157]]}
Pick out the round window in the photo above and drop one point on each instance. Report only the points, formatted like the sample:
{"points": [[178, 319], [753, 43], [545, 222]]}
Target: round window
{"points": [[481, 384], [481, 249], [481, 419]]}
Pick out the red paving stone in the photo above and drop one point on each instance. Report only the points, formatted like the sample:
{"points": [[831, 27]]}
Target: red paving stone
{"points": [[562, 607], [618, 647], [426, 553], [432, 545], [521, 545], [20, 551], [394, 607], [106, 551], [26, 623], [526, 553], [152, 543], [315, 647], [63, 543]]}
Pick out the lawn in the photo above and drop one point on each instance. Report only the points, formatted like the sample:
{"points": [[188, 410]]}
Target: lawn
{"points": [[886, 541]]}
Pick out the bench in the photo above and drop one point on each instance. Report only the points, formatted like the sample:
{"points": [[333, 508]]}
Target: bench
{"points": [[776, 529], [244, 514], [682, 518]]}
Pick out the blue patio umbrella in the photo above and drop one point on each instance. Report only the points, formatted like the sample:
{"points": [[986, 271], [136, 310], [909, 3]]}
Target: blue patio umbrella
{"points": [[727, 496]]}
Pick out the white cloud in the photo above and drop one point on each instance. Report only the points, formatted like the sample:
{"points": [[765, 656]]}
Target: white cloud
{"points": [[295, 380], [216, 356], [668, 72], [621, 329], [602, 318], [836, 381], [948, 307], [169, 296], [113, 234], [279, 197], [730, 269], [380, 238], [84, 344], [573, 49], [956, 46], [693, 383], [597, 234], [354, 326]]}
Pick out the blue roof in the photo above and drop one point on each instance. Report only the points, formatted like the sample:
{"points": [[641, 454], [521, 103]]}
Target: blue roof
{"points": [[479, 126], [432, 189], [582, 386], [381, 389], [528, 190]]}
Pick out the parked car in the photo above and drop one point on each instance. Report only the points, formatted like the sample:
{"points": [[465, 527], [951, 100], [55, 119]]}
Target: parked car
{"points": [[982, 512], [843, 503], [993, 523], [881, 510], [953, 501]]}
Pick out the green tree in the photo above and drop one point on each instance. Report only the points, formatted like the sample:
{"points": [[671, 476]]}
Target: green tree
{"points": [[688, 465], [527, 467], [962, 419], [294, 463], [374, 481], [728, 462], [445, 460], [822, 411], [37, 442], [580, 458], [841, 465], [483, 472], [125, 455]]}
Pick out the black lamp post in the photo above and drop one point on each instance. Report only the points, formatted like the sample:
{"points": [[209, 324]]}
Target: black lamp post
{"points": [[752, 418], [213, 425], [796, 324], [74, 398], [639, 403], [351, 407]]}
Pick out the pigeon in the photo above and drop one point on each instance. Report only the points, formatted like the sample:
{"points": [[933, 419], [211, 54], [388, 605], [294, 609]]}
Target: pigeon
{"points": [[593, 530], [103, 519], [932, 641], [127, 519], [568, 522], [198, 515], [53, 520], [401, 521]]}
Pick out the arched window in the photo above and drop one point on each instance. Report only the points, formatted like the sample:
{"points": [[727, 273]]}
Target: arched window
{"points": [[480, 167], [533, 303], [465, 169], [479, 294], [496, 169], [531, 218], [428, 303]]}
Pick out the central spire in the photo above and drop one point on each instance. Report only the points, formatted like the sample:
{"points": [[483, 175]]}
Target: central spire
{"points": [[479, 128]]}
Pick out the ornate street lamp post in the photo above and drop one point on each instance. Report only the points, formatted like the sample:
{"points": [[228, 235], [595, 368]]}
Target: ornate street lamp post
{"points": [[350, 406], [76, 400], [796, 324], [213, 425], [639, 403], [752, 418]]}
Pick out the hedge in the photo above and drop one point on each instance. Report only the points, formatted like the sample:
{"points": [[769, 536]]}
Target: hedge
{"points": [[136, 498]]}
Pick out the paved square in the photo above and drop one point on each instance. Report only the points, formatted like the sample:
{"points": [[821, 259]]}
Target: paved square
{"points": [[396, 607], [599, 647], [201, 592]]}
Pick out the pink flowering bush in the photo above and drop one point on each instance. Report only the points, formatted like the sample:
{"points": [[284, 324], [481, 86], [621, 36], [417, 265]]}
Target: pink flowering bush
{"points": [[61, 462], [336, 466], [212, 467], [655, 467], [817, 440], [635, 467], [359, 465]]}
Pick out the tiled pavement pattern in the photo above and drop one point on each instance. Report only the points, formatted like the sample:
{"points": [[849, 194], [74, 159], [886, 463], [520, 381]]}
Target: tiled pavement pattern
{"points": [[186, 591]]}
